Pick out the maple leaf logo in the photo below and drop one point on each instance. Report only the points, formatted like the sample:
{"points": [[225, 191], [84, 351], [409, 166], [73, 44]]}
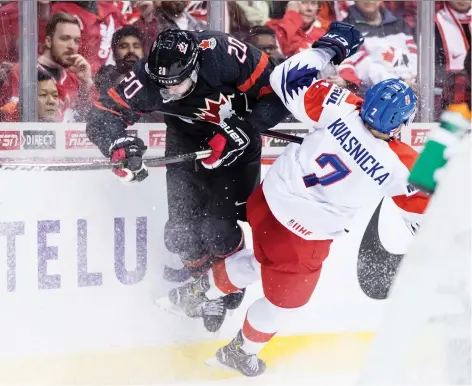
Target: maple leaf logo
{"points": [[389, 54], [297, 79], [216, 111]]}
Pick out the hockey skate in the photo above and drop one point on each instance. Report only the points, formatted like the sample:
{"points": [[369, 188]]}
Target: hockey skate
{"points": [[232, 357], [191, 300]]}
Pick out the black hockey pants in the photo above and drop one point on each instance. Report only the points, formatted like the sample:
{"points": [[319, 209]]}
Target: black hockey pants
{"points": [[205, 205]]}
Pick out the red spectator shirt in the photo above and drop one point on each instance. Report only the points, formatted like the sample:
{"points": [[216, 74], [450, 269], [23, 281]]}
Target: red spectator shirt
{"points": [[97, 30], [130, 13], [9, 32], [292, 39]]}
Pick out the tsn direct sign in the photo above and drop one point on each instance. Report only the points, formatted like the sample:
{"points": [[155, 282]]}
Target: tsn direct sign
{"points": [[10, 140], [77, 139]]}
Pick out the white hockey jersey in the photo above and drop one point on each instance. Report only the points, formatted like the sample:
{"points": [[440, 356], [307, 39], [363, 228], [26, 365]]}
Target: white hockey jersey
{"points": [[315, 188]]}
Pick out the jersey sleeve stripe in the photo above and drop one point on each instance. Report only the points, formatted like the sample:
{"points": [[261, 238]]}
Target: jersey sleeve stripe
{"points": [[417, 202], [114, 95], [101, 107], [251, 81]]}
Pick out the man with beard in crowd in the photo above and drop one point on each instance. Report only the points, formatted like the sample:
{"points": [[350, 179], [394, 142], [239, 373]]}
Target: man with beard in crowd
{"points": [[98, 22], [62, 61], [127, 49]]}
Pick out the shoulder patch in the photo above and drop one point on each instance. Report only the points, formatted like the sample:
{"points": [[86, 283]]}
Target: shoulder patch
{"points": [[208, 44]]}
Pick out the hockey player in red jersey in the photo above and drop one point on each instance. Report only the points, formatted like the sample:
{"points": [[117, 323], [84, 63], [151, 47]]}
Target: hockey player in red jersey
{"points": [[313, 190]]}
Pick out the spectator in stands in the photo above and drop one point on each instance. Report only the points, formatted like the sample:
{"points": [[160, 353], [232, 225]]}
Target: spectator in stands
{"points": [[198, 9], [98, 22], [334, 10], [407, 10], [10, 29], [389, 50], [264, 38], [5, 69], [467, 69], [237, 23], [61, 60], [452, 34], [453, 24], [133, 10], [170, 14], [299, 27], [48, 102], [127, 50], [48, 98], [257, 12]]}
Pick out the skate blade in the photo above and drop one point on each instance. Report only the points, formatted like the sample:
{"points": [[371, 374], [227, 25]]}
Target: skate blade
{"points": [[213, 362], [165, 305]]}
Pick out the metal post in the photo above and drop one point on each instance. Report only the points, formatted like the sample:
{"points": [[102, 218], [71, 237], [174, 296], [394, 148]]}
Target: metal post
{"points": [[216, 15], [426, 64], [28, 60]]}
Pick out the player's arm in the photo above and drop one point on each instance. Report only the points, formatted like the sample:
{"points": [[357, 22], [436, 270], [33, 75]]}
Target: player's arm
{"points": [[108, 119], [249, 69], [296, 80], [295, 83], [411, 202]]}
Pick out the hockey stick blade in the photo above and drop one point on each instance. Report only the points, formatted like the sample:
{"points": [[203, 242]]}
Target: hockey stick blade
{"points": [[376, 267], [74, 164]]}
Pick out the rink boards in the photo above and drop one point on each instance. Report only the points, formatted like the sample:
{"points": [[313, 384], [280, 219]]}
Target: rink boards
{"points": [[81, 264]]}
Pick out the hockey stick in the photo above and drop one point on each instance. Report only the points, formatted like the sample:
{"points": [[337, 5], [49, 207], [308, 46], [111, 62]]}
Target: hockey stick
{"points": [[267, 133], [74, 164]]}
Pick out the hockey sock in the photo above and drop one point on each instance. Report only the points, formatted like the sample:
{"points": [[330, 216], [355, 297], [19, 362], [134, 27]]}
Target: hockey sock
{"points": [[233, 273], [263, 319]]}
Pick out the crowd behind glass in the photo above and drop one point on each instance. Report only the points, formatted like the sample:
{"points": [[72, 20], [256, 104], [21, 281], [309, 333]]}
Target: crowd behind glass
{"points": [[85, 47]]}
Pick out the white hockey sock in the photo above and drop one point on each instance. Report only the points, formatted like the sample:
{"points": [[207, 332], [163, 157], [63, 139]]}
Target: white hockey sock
{"points": [[262, 322], [233, 273]]}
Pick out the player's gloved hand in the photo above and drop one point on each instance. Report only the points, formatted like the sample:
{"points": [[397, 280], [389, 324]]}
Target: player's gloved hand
{"points": [[343, 38], [129, 152], [228, 143]]}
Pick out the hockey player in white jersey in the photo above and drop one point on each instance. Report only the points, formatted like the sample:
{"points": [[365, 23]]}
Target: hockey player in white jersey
{"points": [[313, 190]]}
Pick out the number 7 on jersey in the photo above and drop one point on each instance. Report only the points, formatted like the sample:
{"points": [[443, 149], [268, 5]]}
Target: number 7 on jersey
{"points": [[340, 172]]}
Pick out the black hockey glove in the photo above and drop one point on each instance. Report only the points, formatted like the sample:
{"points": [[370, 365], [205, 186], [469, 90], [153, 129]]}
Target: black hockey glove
{"points": [[129, 152], [228, 143], [343, 38]]}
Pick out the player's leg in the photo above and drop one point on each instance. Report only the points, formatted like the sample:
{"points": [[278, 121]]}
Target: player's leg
{"points": [[226, 192], [290, 269], [230, 189], [185, 200], [229, 275]]}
